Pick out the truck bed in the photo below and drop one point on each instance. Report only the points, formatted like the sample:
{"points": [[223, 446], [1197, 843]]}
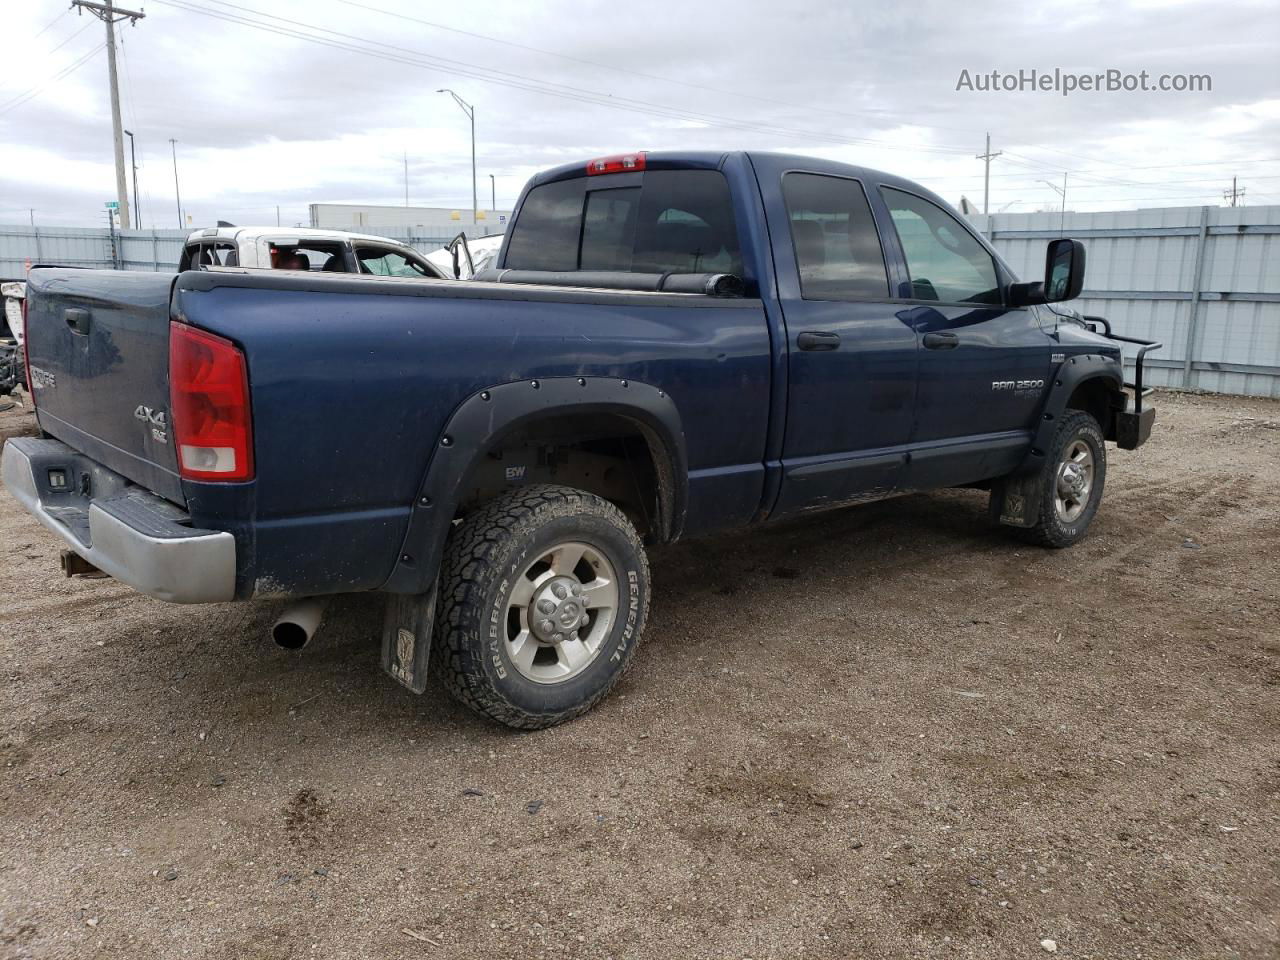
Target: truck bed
{"points": [[352, 380]]}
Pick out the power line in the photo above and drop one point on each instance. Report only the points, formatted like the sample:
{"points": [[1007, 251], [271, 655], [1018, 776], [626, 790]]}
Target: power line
{"points": [[1155, 185], [1191, 196], [133, 113], [68, 39], [66, 71], [791, 105], [32, 91], [349, 42], [45, 29], [1163, 166]]}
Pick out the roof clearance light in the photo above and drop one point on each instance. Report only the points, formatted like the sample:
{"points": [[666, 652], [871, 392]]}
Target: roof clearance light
{"points": [[622, 163]]}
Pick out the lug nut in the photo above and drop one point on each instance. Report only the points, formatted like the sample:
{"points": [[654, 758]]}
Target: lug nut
{"points": [[546, 626], [560, 591], [574, 636], [576, 589], [546, 606], [557, 638]]}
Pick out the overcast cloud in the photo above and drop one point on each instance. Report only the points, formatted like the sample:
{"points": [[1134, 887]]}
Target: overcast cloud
{"points": [[263, 119]]}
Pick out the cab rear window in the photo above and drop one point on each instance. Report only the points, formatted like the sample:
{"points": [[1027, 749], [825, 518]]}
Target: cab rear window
{"points": [[675, 221]]}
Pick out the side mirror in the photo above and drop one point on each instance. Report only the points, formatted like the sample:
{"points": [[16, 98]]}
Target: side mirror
{"points": [[1063, 276], [1063, 270]]}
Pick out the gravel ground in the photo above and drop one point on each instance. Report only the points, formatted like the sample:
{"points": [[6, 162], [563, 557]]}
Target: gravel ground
{"points": [[885, 732]]}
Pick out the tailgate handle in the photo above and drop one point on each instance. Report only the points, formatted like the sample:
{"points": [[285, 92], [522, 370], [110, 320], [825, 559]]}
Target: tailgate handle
{"points": [[77, 319]]}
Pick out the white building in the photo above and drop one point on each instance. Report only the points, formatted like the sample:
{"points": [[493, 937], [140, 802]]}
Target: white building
{"points": [[425, 220]]}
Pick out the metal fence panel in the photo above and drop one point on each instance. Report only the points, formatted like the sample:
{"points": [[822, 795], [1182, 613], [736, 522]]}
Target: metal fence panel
{"points": [[1204, 280]]}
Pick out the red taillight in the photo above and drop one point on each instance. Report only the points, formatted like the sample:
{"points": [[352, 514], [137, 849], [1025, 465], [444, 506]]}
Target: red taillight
{"points": [[209, 406], [622, 163], [26, 354]]}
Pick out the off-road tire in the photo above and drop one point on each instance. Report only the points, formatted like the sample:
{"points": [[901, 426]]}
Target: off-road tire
{"points": [[1050, 529], [483, 555]]}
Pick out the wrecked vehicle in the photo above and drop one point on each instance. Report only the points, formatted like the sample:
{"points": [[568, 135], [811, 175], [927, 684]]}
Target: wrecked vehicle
{"points": [[327, 251]]}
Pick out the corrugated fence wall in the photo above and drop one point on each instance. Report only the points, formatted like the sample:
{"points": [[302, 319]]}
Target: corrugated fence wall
{"points": [[1204, 280], [1204, 276]]}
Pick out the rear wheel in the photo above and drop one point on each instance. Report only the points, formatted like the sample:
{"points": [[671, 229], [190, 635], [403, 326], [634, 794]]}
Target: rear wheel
{"points": [[1071, 481], [542, 605]]}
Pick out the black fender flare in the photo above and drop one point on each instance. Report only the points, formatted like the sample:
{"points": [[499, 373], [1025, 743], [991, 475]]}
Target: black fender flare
{"points": [[489, 413], [1015, 499], [1072, 372]]}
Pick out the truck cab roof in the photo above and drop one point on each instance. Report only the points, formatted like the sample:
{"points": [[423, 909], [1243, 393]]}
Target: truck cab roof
{"points": [[716, 159]]}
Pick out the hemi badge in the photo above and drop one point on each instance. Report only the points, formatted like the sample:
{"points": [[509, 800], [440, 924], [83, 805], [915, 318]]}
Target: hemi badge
{"points": [[1057, 358]]}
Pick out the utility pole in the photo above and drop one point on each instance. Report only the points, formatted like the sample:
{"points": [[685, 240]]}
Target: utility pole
{"points": [[137, 201], [1234, 194], [173, 145], [987, 157], [493, 193], [111, 15], [470, 111]]}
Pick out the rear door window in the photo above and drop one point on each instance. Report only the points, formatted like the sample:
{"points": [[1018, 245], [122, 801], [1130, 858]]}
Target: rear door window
{"points": [[834, 235], [676, 221]]}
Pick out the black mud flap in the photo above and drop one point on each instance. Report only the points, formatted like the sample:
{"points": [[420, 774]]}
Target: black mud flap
{"points": [[406, 637], [1015, 500]]}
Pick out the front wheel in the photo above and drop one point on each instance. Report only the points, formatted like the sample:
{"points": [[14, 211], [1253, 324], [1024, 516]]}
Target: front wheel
{"points": [[1071, 481], [543, 600]]}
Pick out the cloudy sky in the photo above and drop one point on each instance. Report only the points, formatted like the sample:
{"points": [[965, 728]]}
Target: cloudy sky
{"points": [[284, 102]]}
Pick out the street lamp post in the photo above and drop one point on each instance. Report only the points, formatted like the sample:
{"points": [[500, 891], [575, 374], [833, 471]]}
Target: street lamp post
{"points": [[493, 193], [1062, 192], [470, 111], [133, 162]]}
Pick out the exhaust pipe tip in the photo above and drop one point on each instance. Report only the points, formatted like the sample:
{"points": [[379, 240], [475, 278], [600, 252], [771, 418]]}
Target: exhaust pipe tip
{"points": [[291, 636], [298, 624]]}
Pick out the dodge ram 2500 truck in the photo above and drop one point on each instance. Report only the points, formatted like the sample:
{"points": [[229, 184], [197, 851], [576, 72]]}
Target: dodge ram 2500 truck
{"points": [[669, 344]]}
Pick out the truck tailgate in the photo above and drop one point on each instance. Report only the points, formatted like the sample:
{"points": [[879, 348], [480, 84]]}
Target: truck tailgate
{"points": [[98, 346]]}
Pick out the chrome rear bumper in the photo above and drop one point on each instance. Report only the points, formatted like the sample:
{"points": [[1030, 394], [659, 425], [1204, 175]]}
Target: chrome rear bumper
{"points": [[125, 531]]}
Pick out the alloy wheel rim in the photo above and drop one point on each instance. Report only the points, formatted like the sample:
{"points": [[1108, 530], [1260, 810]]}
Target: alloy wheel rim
{"points": [[1074, 481], [560, 611]]}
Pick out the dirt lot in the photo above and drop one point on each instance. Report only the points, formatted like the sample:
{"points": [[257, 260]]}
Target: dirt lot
{"points": [[884, 732]]}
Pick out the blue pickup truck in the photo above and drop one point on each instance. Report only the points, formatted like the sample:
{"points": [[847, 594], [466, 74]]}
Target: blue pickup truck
{"points": [[668, 344]]}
